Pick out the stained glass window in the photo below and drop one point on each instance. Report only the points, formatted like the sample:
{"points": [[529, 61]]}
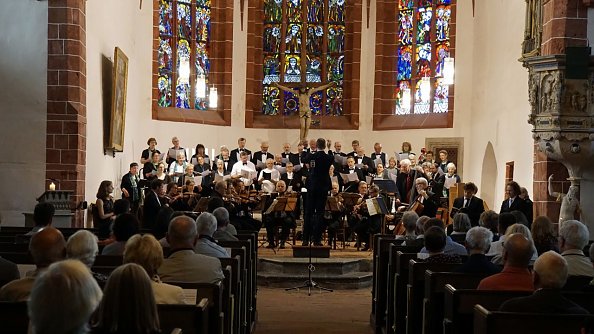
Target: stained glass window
{"points": [[423, 44], [183, 54], [303, 46]]}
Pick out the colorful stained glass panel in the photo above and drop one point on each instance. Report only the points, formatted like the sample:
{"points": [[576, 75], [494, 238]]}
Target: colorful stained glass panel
{"points": [[291, 103], [336, 10], [440, 102], [402, 109], [271, 70], [444, 2], [315, 38], [202, 59], [315, 11], [293, 39], [182, 89], [165, 55], [335, 68], [334, 104], [184, 20], [316, 102], [313, 72], [272, 38], [422, 99], [442, 24], [405, 4], [404, 62], [165, 18], [405, 31], [424, 60], [294, 10], [164, 88], [202, 24], [336, 38], [442, 51], [292, 68], [273, 10], [424, 16], [270, 100], [424, 3]]}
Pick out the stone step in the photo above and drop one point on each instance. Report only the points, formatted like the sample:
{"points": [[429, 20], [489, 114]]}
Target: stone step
{"points": [[353, 280], [323, 266]]}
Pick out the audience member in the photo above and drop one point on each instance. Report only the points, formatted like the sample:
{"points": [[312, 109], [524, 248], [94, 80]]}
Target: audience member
{"points": [[573, 237], [460, 226], [121, 206], [8, 271], [451, 247], [224, 230], [128, 304], [146, 251], [43, 214], [478, 241], [183, 264], [47, 246], [163, 219], [124, 226], [63, 299], [521, 218], [549, 276], [435, 242], [490, 219], [505, 220], [515, 275], [83, 246], [544, 235], [420, 231], [409, 221], [206, 225], [515, 228]]}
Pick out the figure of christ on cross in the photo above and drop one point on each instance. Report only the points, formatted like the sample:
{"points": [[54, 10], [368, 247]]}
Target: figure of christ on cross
{"points": [[304, 93]]}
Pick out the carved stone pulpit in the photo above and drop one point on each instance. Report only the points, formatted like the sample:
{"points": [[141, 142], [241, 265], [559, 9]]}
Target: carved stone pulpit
{"points": [[561, 95], [60, 199]]}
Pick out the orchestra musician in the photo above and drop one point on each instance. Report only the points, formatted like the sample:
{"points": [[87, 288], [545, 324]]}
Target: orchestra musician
{"points": [[362, 191], [240, 202], [469, 204], [426, 202], [152, 204], [405, 181], [286, 220], [364, 224], [333, 219]]}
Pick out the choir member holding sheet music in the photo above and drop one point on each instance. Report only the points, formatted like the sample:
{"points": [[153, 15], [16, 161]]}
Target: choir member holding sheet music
{"points": [[226, 159], [162, 173], [364, 162], [351, 175], [174, 151], [178, 167], [443, 160], [278, 161], [146, 155], [235, 153], [244, 170], [200, 152], [449, 179], [335, 177], [259, 158], [355, 145], [150, 168], [268, 177], [338, 149], [377, 153], [220, 172]]}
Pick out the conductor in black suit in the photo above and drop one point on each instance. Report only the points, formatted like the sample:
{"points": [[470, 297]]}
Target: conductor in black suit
{"points": [[318, 184], [469, 204]]}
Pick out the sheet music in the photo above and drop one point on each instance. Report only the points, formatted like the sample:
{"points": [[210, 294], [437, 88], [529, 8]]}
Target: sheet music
{"points": [[190, 296], [371, 208], [285, 160], [197, 180], [392, 177], [271, 207], [378, 161], [281, 169], [352, 177], [219, 178], [340, 159], [401, 156], [248, 174], [334, 179], [194, 161], [172, 153], [368, 179], [260, 164], [297, 168], [206, 172], [360, 166], [449, 182], [162, 157], [207, 160]]}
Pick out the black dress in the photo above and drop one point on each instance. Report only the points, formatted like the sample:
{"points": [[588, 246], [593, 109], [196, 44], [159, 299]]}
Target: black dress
{"points": [[103, 225]]}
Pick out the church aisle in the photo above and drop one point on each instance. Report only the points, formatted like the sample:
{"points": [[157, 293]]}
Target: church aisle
{"points": [[342, 311]]}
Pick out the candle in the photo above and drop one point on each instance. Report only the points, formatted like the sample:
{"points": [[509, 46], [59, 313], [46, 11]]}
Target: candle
{"points": [[52, 187]]}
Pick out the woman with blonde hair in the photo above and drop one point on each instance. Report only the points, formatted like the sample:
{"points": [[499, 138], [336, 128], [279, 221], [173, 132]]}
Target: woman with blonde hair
{"points": [[513, 229], [128, 304], [146, 251]]}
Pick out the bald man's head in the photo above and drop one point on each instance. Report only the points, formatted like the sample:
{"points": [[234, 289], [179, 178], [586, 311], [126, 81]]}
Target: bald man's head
{"points": [[182, 232], [517, 250], [47, 246], [550, 271]]}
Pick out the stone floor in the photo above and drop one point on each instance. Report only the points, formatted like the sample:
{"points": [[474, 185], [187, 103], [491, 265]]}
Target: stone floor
{"points": [[294, 312]]}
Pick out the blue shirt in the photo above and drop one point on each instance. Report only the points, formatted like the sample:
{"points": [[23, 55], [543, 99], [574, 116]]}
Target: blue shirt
{"points": [[451, 248]]}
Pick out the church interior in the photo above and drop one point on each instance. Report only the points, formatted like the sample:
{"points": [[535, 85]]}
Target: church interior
{"points": [[423, 105]]}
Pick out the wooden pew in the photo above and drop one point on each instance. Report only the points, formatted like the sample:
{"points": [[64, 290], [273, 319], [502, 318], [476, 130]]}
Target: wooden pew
{"points": [[494, 322], [14, 318], [433, 303], [12, 247], [214, 293], [459, 306], [380, 264], [396, 287], [237, 308], [191, 319], [416, 291]]}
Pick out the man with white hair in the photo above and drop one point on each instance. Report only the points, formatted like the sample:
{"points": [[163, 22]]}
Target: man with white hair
{"points": [[428, 199], [405, 180], [478, 240], [63, 299], [409, 221], [206, 225], [183, 264], [549, 276], [573, 237], [83, 246], [224, 230]]}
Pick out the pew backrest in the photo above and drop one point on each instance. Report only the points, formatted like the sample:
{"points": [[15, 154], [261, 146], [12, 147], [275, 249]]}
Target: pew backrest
{"points": [[191, 319], [14, 318]]}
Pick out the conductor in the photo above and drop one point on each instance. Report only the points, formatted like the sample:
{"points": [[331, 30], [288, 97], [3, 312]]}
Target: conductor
{"points": [[318, 184]]}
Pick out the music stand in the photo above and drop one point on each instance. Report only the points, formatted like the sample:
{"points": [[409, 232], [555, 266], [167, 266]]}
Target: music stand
{"points": [[333, 206], [202, 204], [310, 283]]}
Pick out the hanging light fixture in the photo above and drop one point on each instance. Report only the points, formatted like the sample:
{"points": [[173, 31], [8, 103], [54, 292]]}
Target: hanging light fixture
{"points": [[212, 99], [425, 89], [448, 71], [201, 86], [406, 100]]}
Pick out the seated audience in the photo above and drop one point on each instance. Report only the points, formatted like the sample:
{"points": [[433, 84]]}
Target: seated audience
{"points": [[515, 275], [460, 226], [121, 206], [515, 228], [63, 299], [124, 226], [549, 276], [128, 304], [83, 246], [420, 231], [544, 235], [206, 225], [505, 220], [183, 264], [146, 251], [8, 271], [163, 219], [478, 240], [409, 221], [224, 230], [435, 242], [47, 246], [521, 218], [43, 214], [451, 247], [490, 220], [573, 237]]}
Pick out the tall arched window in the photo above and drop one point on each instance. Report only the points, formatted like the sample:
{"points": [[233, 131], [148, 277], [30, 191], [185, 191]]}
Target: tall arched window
{"points": [[415, 96], [298, 43], [185, 59]]}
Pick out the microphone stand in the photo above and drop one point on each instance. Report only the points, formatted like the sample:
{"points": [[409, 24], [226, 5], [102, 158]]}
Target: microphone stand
{"points": [[310, 283]]}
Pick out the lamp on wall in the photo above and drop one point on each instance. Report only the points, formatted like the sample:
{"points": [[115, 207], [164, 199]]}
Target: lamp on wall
{"points": [[201, 86], [425, 89], [406, 99], [212, 99], [448, 71]]}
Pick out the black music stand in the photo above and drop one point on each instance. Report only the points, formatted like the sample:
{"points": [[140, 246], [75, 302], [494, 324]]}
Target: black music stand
{"points": [[310, 283], [332, 205], [282, 204]]}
